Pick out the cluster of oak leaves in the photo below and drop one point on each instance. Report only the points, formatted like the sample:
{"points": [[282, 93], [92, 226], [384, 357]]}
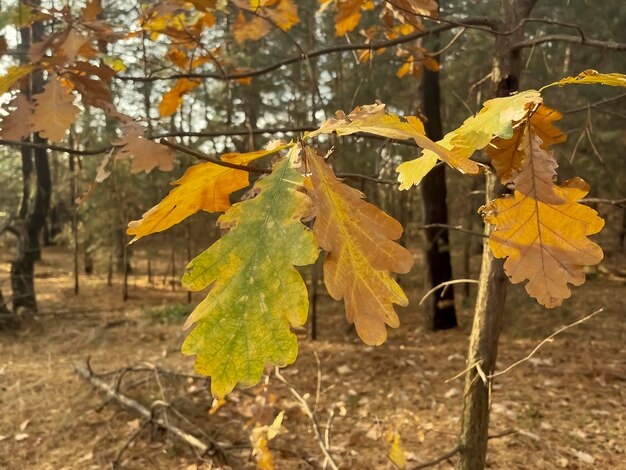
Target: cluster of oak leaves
{"points": [[256, 291]]}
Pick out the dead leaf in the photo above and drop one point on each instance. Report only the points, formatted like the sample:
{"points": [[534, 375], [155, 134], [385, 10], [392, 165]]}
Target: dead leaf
{"points": [[541, 229], [505, 155], [15, 125], [54, 111], [361, 253], [145, 153]]}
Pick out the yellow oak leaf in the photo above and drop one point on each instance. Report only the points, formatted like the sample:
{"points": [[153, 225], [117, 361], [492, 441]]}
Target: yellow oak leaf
{"points": [[348, 15], [145, 153], [505, 154], [12, 75], [174, 97], [593, 77], [495, 119], [54, 111], [541, 229], [397, 453], [203, 187], [361, 253]]}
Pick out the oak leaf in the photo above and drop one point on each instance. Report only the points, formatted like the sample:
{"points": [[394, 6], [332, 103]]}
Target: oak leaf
{"points": [[253, 30], [145, 153], [256, 294], [361, 253], [505, 154], [15, 125], [12, 75], [373, 119], [541, 229], [203, 187], [72, 44], [591, 77], [349, 14], [174, 97], [54, 110], [410, 11], [495, 119]]}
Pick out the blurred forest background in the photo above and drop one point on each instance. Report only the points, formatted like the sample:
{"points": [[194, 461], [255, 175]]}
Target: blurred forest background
{"points": [[120, 303]]}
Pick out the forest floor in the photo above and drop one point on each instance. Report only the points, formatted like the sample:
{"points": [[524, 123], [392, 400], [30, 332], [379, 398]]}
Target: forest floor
{"points": [[564, 408]]}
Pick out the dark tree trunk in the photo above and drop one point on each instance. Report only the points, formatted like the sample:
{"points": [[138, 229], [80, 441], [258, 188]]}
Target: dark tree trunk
{"points": [[33, 209], [488, 314], [433, 189]]}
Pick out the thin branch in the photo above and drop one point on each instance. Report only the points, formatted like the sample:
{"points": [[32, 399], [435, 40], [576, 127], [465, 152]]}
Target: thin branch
{"points": [[466, 23], [57, 148], [596, 104], [138, 408], [611, 202], [206, 158], [311, 415], [439, 459], [610, 45], [458, 228], [444, 284], [549, 339]]}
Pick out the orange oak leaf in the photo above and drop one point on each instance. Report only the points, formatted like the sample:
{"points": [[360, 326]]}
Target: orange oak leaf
{"points": [[361, 253], [54, 111], [203, 187], [253, 30], [349, 14], [505, 155], [15, 125], [541, 229], [174, 97], [145, 153], [284, 14]]}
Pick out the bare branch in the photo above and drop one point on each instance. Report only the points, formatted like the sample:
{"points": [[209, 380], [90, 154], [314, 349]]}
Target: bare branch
{"points": [[610, 45], [138, 408], [547, 340], [450, 24], [444, 284], [596, 104], [312, 417]]}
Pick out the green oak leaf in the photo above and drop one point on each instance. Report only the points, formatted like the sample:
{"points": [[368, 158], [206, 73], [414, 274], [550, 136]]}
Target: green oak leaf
{"points": [[257, 293]]}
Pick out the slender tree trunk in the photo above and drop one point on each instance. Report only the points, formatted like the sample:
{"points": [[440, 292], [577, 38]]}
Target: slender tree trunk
{"points": [[488, 314], [440, 307], [73, 167], [33, 209]]}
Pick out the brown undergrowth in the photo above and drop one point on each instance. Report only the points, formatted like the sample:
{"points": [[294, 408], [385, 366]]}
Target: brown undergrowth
{"points": [[566, 404]]}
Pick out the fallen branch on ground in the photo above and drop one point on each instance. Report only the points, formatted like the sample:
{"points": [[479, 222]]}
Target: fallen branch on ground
{"points": [[148, 414]]}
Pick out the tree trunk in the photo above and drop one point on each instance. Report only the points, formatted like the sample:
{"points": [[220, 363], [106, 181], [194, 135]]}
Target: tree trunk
{"points": [[33, 209], [433, 189], [488, 313]]}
